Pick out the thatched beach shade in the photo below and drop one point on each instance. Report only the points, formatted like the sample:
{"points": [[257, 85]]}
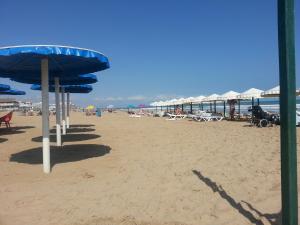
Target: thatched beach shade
{"points": [[181, 101], [189, 101], [210, 99], [230, 95], [173, 103], [198, 100], [275, 92], [4, 87], [44, 62], [251, 94]]}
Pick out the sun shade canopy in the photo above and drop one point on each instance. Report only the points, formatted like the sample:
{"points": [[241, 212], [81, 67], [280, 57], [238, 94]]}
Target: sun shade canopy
{"points": [[81, 79], [4, 87], [64, 61], [12, 92], [68, 88]]}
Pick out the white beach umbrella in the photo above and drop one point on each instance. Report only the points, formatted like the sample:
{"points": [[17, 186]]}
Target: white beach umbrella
{"points": [[250, 93], [189, 100], [210, 98], [173, 101], [230, 95], [273, 92], [199, 99], [180, 101]]}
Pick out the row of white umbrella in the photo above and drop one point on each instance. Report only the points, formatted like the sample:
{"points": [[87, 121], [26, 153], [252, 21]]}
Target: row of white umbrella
{"points": [[251, 93]]}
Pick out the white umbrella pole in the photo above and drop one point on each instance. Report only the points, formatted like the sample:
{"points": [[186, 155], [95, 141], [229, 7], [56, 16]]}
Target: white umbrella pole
{"points": [[57, 107], [45, 115], [68, 110], [63, 108]]}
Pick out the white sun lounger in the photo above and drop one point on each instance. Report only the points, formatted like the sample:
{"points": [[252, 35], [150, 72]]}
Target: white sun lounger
{"points": [[206, 117], [175, 117]]}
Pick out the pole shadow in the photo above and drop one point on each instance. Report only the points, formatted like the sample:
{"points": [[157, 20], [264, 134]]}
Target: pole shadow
{"points": [[75, 130], [82, 125], [3, 140], [68, 137], [273, 219], [65, 154]]}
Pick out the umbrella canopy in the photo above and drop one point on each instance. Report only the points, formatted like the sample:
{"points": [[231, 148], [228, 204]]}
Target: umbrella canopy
{"points": [[25, 61], [250, 93], [4, 87], [68, 88], [130, 106], [210, 98], [172, 101], [80, 79], [189, 100], [273, 92], [42, 63], [12, 92], [199, 99], [90, 107], [179, 101], [230, 95]]}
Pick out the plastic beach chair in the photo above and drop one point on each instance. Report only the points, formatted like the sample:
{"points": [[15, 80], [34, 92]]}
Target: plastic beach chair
{"points": [[6, 119]]}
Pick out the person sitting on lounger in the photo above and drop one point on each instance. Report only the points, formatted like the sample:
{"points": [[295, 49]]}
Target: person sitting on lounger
{"points": [[178, 111]]}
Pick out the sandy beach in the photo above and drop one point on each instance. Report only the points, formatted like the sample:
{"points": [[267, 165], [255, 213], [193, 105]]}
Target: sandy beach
{"points": [[121, 170]]}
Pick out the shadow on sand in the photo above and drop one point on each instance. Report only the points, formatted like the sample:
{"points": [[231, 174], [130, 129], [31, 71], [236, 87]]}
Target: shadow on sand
{"points": [[67, 153], [82, 125], [68, 137], [3, 140], [14, 130], [251, 213], [75, 130]]}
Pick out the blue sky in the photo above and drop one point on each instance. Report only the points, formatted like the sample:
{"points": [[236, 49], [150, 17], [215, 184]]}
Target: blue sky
{"points": [[158, 49]]}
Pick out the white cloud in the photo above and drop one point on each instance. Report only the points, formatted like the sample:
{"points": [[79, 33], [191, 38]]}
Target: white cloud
{"points": [[137, 98]]}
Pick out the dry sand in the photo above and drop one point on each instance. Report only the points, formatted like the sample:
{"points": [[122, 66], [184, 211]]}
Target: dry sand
{"points": [[121, 170]]}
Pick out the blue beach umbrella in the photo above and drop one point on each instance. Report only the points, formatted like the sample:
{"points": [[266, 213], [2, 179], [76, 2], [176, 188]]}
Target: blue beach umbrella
{"points": [[80, 79], [43, 63], [4, 87], [68, 88], [85, 88], [12, 92]]}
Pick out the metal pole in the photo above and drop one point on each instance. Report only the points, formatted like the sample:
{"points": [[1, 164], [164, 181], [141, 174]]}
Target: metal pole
{"points": [[239, 101], [258, 101], [182, 107], [202, 105], [252, 108], [286, 44], [191, 107], [68, 110], [45, 115], [215, 106], [224, 109], [57, 107], [210, 107], [63, 109]]}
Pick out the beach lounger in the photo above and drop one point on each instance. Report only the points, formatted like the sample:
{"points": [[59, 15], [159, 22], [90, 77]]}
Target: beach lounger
{"points": [[175, 116], [6, 119], [206, 117]]}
